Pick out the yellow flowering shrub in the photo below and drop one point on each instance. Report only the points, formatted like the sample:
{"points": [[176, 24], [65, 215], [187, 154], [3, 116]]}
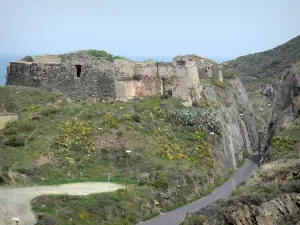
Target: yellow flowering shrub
{"points": [[111, 120], [169, 147], [74, 141]]}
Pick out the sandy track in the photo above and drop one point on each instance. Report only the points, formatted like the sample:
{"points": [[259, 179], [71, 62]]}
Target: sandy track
{"points": [[15, 202]]}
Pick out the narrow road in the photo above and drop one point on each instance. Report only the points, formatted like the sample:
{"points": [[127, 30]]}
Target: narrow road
{"points": [[176, 216], [15, 202]]}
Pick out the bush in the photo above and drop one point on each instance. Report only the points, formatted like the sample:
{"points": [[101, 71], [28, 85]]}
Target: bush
{"points": [[10, 128], [160, 181], [111, 120], [228, 74], [47, 111], [220, 84], [103, 55], [27, 58], [186, 117], [136, 118], [137, 77], [282, 144], [14, 141], [194, 220]]}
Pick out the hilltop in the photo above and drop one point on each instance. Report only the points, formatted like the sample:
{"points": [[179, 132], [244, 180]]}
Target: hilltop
{"points": [[265, 67]]}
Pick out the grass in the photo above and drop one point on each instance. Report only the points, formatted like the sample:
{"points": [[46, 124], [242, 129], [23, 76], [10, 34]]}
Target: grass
{"points": [[151, 176], [223, 85]]}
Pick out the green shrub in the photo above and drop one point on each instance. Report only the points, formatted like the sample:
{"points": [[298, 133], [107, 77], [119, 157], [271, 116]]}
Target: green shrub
{"points": [[111, 120], [220, 84], [160, 181], [194, 220], [27, 58], [10, 130], [282, 144], [136, 118], [186, 117], [103, 55], [14, 141], [120, 134], [137, 77], [228, 74], [47, 111]]}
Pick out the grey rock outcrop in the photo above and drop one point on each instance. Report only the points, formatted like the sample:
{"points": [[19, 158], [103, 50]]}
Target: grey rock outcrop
{"points": [[272, 212], [269, 91], [286, 105], [239, 124]]}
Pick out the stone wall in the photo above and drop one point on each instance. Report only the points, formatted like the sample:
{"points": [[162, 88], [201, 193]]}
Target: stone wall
{"points": [[94, 81], [123, 78]]}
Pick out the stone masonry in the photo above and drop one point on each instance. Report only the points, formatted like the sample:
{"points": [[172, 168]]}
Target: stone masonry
{"points": [[81, 76]]}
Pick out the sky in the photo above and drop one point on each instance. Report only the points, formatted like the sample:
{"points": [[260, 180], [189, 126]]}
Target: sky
{"points": [[214, 28]]}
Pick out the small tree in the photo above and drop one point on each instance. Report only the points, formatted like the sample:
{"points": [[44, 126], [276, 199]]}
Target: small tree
{"points": [[27, 58]]}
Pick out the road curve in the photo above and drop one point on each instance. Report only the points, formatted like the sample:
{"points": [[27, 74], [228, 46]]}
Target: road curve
{"points": [[176, 216], [15, 202]]}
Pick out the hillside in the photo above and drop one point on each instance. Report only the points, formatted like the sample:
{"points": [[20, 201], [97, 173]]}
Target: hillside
{"points": [[178, 153], [265, 67], [272, 196]]}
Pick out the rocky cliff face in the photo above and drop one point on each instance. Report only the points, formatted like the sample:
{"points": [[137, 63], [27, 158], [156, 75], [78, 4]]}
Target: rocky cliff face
{"points": [[237, 118], [286, 105]]}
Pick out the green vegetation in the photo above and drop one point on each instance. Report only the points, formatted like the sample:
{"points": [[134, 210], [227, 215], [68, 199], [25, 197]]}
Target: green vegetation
{"points": [[65, 142], [228, 74], [137, 77], [267, 66], [282, 144], [103, 55], [223, 85], [27, 58]]}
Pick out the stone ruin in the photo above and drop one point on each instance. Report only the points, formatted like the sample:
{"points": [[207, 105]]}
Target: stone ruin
{"points": [[82, 76]]}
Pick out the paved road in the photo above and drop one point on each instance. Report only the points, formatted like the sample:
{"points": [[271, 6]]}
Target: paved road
{"points": [[176, 216], [15, 202]]}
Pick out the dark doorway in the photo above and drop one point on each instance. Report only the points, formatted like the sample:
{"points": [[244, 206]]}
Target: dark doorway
{"points": [[78, 71]]}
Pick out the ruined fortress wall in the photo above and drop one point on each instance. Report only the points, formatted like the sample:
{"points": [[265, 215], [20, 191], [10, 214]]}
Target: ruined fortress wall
{"points": [[151, 86], [147, 86], [95, 80], [194, 86]]}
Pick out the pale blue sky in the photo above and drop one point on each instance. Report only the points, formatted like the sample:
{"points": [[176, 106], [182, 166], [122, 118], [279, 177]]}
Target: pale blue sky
{"points": [[212, 28]]}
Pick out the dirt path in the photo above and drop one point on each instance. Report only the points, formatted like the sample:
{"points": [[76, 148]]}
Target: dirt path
{"points": [[15, 202]]}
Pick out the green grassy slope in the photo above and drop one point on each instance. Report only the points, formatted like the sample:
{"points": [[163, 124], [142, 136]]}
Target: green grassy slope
{"points": [[267, 66], [56, 141]]}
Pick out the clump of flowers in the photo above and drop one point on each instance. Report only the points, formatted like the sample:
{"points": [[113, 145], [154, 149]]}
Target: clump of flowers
{"points": [[169, 147], [282, 144], [111, 120], [74, 141]]}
